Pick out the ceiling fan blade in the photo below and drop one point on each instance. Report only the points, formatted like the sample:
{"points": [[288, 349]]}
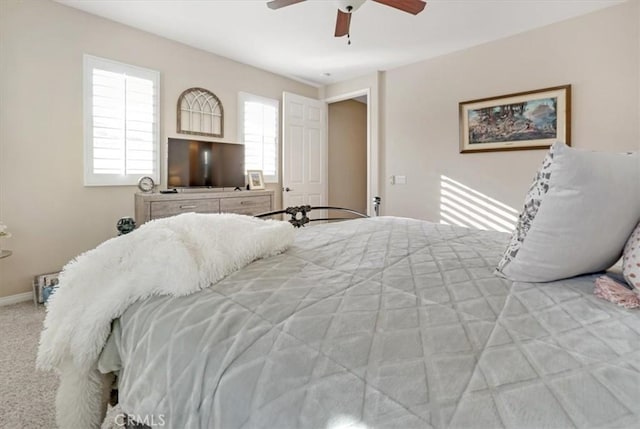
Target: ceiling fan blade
{"points": [[410, 6], [277, 4], [342, 23]]}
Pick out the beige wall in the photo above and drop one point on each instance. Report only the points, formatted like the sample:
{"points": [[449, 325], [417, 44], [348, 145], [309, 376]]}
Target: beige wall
{"points": [[348, 155], [413, 123], [597, 53], [52, 216]]}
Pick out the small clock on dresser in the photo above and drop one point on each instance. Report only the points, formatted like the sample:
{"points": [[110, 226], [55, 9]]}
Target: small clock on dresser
{"points": [[146, 184]]}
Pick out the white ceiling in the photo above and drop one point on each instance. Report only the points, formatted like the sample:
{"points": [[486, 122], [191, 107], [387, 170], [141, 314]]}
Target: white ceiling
{"points": [[297, 41]]}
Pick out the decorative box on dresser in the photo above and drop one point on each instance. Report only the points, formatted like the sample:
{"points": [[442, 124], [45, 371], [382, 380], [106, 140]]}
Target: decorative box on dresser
{"points": [[155, 205]]}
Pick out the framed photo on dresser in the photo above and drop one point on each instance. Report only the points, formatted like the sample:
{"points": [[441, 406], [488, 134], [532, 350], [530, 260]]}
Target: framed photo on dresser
{"points": [[255, 179]]}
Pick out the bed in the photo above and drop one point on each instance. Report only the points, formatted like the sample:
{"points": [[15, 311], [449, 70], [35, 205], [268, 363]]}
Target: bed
{"points": [[229, 321], [379, 323]]}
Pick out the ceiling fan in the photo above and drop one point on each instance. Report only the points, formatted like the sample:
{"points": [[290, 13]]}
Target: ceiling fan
{"points": [[347, 7]]}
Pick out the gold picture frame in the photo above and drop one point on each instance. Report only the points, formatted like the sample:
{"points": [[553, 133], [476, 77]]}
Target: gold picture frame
{"points": [[524, 120], [255, 179]]}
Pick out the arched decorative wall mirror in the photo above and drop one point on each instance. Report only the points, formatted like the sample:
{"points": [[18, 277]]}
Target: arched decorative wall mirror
{"points": [[200, 112]]}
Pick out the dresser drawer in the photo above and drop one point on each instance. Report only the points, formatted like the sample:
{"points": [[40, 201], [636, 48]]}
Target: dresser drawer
{"points": [[171, 208], [155, 205], [246, 205]]}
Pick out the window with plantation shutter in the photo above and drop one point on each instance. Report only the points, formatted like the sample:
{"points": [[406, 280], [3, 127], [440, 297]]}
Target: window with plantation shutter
{"points": [[121, 133], [258, 129]]}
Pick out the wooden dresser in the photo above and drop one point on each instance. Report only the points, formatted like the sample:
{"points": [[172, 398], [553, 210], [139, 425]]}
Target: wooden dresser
{"points": [[156, 205]]}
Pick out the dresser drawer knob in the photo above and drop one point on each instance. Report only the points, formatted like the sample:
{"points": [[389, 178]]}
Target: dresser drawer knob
{"points": [[187, 207]]}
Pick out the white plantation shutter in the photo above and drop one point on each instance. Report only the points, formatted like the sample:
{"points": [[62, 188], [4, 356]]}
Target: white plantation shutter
{"points": [[121, 109], [258, 130]]}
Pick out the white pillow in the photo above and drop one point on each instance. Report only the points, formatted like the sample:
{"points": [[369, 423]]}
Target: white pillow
{"points": [[578, 215], [631, 259]]}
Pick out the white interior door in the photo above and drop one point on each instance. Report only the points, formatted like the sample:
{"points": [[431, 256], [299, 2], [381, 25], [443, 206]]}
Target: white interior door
{"points": [[304, 152]]}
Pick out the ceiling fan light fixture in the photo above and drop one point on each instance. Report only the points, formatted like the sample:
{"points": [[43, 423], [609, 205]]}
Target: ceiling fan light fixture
{"points": [[349, 6]]}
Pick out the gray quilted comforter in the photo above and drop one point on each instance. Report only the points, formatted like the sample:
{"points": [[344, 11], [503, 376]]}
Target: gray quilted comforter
{"points": [[380, 323]]}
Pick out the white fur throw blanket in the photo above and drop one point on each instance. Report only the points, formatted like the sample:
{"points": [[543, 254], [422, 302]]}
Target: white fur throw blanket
{"points": [[173, 256]]}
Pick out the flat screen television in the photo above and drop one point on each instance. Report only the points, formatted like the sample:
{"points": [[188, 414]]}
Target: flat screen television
{"points": [[200, 164]]}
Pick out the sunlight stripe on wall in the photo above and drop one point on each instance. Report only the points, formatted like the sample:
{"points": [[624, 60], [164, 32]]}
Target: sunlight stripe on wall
{"points": [[464, 206]]}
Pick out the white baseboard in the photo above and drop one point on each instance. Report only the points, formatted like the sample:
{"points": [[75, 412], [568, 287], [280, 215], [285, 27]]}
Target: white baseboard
{"points": [[14, 299]]}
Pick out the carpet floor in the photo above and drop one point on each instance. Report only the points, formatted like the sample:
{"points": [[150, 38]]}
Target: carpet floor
{"points": [[27, 396]]}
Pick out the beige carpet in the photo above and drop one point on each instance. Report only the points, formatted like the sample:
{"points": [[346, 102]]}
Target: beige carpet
{"points": [[27, 396]]}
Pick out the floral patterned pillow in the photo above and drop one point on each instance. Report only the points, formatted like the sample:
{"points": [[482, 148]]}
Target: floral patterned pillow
{"points": [[631, 259], [537, 190]]}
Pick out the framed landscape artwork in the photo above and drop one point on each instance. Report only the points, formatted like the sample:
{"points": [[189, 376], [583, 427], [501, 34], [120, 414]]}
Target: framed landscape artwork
{"points": [[526, 120]]}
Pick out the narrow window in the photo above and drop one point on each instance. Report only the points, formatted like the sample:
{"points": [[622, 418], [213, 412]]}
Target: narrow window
{"points": [[258, 130]]}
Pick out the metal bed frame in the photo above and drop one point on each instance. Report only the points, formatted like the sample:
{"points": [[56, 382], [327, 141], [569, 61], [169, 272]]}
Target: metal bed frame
{"points": [[299, 216]]}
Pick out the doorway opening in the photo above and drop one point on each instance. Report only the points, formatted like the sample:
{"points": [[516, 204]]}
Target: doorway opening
{"points": [[348, 151]]}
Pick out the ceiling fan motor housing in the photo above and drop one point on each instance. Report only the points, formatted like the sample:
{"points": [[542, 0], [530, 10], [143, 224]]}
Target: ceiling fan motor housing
{"points": [[348, 6]]}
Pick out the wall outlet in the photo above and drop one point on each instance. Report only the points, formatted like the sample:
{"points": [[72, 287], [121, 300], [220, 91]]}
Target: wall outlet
{"points": [[398, 180]]}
